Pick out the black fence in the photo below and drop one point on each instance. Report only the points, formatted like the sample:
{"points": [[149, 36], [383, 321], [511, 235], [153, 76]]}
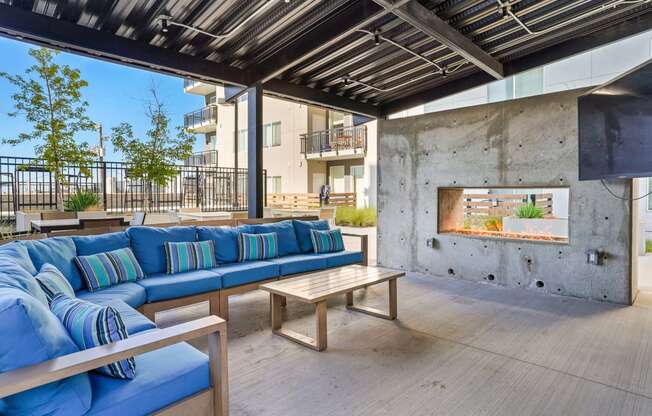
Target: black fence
{"points": [[25, 184]]}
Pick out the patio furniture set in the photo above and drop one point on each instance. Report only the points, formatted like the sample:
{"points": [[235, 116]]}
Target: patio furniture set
{"points": [[69, 305]]}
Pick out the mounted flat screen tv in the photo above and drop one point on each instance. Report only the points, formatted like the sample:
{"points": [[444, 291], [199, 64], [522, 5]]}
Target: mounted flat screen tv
{"points": [[615, 127]]}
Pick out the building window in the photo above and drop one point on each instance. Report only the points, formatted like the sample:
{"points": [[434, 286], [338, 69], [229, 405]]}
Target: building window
{"points": [[211, 140], [272, 134], [242, 140], [273, 184]]}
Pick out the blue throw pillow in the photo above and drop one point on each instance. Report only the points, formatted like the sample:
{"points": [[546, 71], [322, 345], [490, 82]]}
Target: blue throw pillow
{"points": [[107, 269], [59, 252], [53, 282], [302, 229], [100, 243], [258, 246], [287, 238], [148, 244], [91, 325], [227, 241], [195, 255], [31, 334], [327, 241]]}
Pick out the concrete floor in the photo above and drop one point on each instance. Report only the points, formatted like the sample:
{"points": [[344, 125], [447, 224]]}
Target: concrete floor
{"points": [[458, 348]]}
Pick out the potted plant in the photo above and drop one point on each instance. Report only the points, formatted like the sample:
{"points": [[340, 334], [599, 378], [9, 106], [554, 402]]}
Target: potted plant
{"points": [[83, 200]]}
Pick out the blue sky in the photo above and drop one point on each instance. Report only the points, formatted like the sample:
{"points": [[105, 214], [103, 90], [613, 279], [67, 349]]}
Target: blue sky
{"points": [[116, 93]]}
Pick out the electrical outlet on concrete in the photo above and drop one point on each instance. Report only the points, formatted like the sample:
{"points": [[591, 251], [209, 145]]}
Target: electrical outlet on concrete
{"points": [[595, 257], [432, 243]]}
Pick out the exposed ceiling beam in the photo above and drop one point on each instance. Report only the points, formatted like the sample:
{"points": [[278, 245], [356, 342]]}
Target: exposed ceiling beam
{"points": [[429, 23], [357, 15], [50, 32], [599, 37]]}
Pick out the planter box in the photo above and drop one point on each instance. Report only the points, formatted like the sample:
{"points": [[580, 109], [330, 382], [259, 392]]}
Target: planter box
{"points": [[538, 226]]}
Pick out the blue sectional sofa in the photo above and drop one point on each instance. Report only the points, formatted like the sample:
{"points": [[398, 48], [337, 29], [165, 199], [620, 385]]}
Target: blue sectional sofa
{"points": [[175, 371]]}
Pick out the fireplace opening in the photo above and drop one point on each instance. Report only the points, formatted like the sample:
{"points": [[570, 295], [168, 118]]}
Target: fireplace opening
{"points": [[539, 214]]}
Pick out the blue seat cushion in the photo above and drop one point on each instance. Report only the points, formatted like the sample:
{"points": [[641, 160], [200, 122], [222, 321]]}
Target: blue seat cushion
{"points": [[302, 230], [287, 238], [88, 245], [148, 244], [31, 334], [19, 255], [164, 377], [341, 258], [236, 274], [135, 322], [58, 251], [162, 286], [299, 263], [130, 293], [227, 240]]}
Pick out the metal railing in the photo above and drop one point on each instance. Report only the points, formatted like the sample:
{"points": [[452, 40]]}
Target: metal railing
{"points": [[335, 140], [205, 158], [26, 185], [201, 117]]}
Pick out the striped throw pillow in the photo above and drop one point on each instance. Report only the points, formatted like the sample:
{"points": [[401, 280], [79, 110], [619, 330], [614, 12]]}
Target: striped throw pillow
{"points": [[194, 255], [90, 325], [327, 241], [107, 269], [53, 282], [258, 246]]}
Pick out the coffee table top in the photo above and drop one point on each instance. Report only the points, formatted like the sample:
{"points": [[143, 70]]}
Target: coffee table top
{"points": [[318, 286]]}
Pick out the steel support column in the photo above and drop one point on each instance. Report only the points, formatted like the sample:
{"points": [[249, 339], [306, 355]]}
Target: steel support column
{"points": [[255, 188]]}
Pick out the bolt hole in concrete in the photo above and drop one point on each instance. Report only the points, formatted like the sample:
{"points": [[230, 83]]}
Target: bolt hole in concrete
{"points": [[540, 283], [491, 277], [509, 213], [451, 272]]}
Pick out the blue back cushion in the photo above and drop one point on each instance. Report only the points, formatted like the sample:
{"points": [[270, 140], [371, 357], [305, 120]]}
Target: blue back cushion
{"points": [[101, 243], [31, 334], [19, 255], [148, 244], [59, 252], [226, 240], [12, 275], [287, 238], [302, 229]]}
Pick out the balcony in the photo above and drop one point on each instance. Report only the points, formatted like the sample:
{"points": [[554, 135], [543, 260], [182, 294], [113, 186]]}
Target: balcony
{"points": [[334, 144], [206, 158], [201, 121], [190, 86]]}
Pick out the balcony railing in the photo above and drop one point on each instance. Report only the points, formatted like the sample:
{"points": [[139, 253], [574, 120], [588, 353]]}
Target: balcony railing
{"points": [[200, 118], [206, 158], [346, 140]]}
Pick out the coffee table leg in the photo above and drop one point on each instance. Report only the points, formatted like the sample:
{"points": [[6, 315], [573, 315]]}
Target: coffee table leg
{"points": [[318, 343], [377, 312], [277, 317], [321, 330]]}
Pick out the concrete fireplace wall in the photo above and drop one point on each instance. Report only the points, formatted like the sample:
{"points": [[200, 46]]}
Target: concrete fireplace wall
{"points": [[528, 142]]}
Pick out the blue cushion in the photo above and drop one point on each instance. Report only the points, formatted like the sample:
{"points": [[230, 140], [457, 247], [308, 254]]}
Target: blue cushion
{"points": [[19, 255], [258, 246], [102, 270], [53, 282], [165, 376], [31, 334], [134, 320], [164, 286], [193, 255], [302, 229], [226, 240], [93, 244], [299, 263], [12, 275], [342, 258], [130, 293], [91, 325], [287, 238], [147, 244], [329, 241], [58, 251], [236, 274]]}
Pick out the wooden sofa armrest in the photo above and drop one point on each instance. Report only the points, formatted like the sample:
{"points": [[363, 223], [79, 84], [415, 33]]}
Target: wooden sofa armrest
{"points": [[26, 378], [364, 246]]}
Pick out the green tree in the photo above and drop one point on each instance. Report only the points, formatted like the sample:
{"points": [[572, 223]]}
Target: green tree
{"points": [[49, 97], [153, 159]]}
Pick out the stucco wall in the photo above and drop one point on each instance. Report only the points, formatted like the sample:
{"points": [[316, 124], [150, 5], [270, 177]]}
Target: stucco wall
{"points": [[529, 142]]}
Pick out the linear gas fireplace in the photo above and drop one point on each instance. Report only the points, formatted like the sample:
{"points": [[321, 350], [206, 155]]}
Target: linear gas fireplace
{"points": [[539, 214]]}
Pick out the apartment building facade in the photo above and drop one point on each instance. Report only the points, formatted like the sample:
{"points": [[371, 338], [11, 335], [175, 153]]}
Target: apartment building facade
{"points": [[305, 147]]}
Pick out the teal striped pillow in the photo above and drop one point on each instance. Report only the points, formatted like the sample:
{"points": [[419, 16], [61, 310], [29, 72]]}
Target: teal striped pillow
{"points": [[194, 255], [53, 282], [90, 325], [107, 269], [327, 241], [258, 246]]}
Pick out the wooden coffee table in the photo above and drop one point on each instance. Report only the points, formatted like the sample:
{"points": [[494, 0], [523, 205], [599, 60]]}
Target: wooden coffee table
{"points": [[318, 287]]}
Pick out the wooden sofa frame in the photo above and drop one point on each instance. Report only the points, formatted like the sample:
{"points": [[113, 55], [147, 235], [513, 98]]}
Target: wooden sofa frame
{"points": [[213, 401]]}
